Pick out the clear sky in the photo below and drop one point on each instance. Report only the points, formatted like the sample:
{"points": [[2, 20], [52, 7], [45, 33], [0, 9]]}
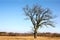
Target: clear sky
{"points": [[12, 15]]}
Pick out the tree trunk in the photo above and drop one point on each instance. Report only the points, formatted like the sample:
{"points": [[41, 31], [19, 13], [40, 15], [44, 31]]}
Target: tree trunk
{"points": [[35, 33]]}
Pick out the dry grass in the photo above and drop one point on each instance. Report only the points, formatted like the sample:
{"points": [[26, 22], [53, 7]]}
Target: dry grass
{"points": [[27, 38]]}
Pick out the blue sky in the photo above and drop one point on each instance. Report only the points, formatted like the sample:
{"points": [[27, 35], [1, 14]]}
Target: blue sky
{"points": [[12, 15]]}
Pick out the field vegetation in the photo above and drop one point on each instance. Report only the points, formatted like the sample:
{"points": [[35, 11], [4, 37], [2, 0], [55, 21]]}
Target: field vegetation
{"points": [[28, 36]]}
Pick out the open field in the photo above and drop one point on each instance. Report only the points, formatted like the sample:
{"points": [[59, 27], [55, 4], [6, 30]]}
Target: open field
{"points": [[27, 38]]}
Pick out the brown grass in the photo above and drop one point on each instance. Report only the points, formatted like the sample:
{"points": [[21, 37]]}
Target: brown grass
{"points": [[27, 38]]}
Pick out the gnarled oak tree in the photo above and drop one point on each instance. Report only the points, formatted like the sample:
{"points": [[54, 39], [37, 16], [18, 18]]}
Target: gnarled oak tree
{"points": [[39, 16]]}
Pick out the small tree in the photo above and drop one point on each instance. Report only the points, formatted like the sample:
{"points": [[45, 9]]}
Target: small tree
{"points": [[39, 17]]}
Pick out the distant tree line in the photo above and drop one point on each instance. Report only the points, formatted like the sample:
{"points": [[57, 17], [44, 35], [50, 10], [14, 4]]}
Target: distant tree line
{"points": [[29, 34]]}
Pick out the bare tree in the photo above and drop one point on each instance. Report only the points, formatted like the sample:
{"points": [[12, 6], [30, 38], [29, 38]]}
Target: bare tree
{"points": [[39, 17]]}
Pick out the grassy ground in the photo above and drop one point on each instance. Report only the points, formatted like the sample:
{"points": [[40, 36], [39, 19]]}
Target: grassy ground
{"points": [[27, 38]]}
